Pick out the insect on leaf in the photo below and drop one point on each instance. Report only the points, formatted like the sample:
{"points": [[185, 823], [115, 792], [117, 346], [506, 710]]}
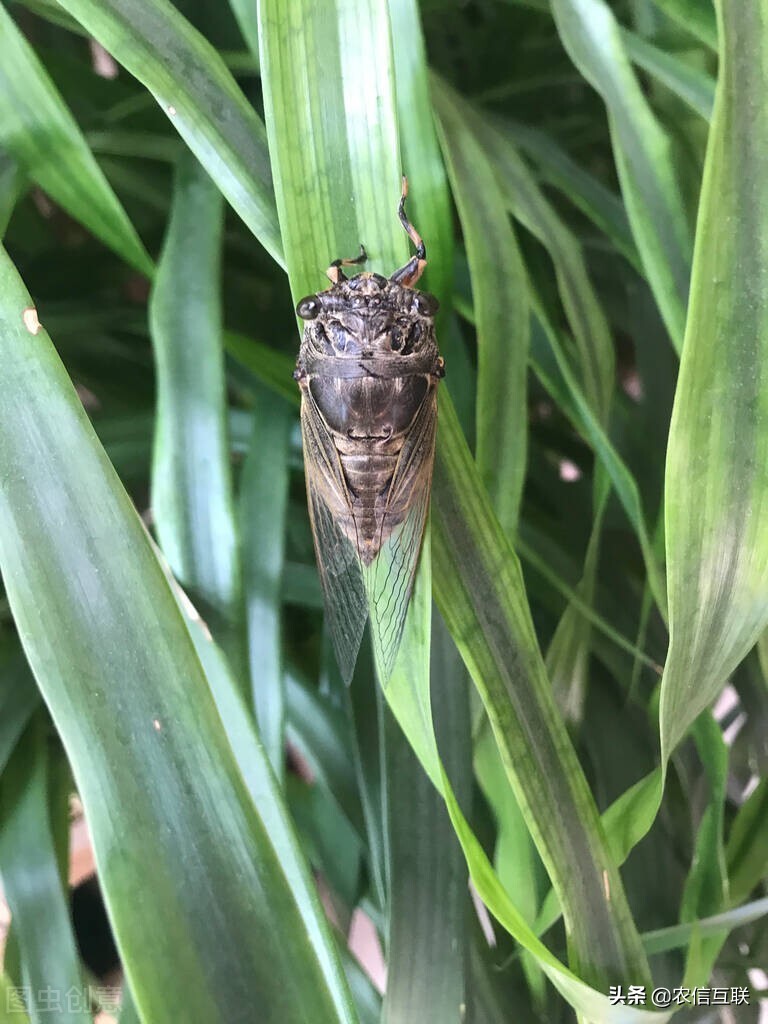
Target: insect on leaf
{"points": [[368, 369]]}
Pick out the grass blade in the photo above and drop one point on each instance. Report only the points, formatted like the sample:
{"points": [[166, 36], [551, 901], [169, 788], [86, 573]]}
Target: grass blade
{"points": [[696, 16], [38, 130], [527, 203], [716, 484], [747, 850], [480, 594], [102, 630], [11, 1003], [409, 699], [355, 200], [191, 480], [421, 157], [191, 83], [500, 294], [33, 886], [18, 698], [694, 87], [587, 193], [429, 902], [263, 508], [641, 149]]}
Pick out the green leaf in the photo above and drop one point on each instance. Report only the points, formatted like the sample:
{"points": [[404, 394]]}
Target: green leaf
{"points": [[409, 699], [706, 888], [527, 203], [191, 481], [429, 903], [320, 731], [12, 182], [18, 697], [102, 631], [567, 658], [191, 83], [716, 476], [245, 12], [38, 130], [694, 87], [680, 934], [355, 200], [253, 763], [586, 192], [11, 1003], [696, 16], [515, 858], [273, 368], [642, 153], [551, 366], [430, 201], [480, 593], [500, 298], [33, 887], [747, 849], [128, 1012], [263, 507]]}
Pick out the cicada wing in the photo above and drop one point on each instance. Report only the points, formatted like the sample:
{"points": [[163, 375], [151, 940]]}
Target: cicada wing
{"points": [[346, 604], [389, 578]]}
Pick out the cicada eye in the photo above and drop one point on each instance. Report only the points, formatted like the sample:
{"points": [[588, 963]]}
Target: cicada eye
{"points": [[426, 304], [308, 308]]}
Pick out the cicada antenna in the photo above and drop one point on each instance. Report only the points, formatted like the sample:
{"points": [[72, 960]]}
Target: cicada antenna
{"points": [[336, 275]]}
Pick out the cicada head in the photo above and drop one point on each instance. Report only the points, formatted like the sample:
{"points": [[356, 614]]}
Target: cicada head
{"points": [[368, 316]]}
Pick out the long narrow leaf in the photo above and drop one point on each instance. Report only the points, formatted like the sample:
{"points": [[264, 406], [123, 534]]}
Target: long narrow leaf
{"points": [[263, 507], [408, 695], [102, 630], [716, 482], [694, 87], [527, 203], [37, 128], [429, 901], [191, 481], [33, 887], [696, 16], [480, 594], [191, 83], [500, 296], [642, 152]]}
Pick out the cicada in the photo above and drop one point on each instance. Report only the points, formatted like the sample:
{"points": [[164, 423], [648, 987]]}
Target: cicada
{"points": [[368, 369]]}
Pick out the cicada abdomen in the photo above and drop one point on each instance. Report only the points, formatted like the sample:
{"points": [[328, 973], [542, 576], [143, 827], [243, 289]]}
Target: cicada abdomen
{"points": [[368, 369]]}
